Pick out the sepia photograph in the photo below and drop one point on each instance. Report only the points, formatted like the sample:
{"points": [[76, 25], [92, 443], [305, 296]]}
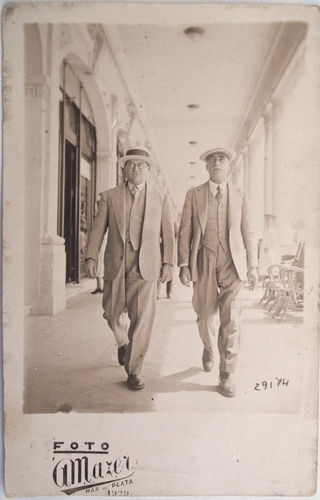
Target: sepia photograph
{"points": [[160, 244]]}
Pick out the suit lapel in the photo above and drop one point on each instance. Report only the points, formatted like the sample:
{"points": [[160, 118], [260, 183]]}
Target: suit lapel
{"points": [[118, 203], [201, 199], [147, 220]]}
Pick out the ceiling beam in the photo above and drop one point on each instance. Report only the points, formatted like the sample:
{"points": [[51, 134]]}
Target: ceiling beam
{"points": [[285, 44]]}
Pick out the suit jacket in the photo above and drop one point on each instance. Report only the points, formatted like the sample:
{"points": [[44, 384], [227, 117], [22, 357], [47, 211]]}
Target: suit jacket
{"points": [[193, 224], [158, 222]]}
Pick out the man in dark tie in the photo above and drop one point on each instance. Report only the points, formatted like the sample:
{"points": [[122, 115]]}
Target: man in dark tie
{"points": [[136, 216], [217, 252]]}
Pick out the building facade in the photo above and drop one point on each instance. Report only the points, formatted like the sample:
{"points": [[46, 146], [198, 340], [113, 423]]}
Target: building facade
{"points": [[79, 120], [76, 118]]}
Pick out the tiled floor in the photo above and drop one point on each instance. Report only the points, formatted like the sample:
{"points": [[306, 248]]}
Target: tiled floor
{"points": [[262, 442], [71, 362]]}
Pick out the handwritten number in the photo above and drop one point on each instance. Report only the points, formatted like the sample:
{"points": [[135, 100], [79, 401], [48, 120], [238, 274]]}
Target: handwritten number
{"points": [[265, 385]]}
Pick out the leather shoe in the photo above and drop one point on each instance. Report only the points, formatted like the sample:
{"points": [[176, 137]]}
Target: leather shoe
{"points": [[97, 290], [135, 382], [227, 387], [207, 360], [122, 354]]}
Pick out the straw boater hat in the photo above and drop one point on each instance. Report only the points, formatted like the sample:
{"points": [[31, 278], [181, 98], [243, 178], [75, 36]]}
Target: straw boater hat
{"points": [[137, 153], [230, 153]]}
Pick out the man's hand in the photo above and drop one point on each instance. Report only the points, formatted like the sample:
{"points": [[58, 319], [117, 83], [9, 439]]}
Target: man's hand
{"points": [[252, 277], [166, 273], [91, 268], [185, 276]]}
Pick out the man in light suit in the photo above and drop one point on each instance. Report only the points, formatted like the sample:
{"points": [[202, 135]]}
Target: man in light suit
{"points": [[136, 216], [217, 252]]}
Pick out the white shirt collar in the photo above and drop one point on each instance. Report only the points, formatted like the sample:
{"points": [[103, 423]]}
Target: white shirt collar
{"points": [[139, 186], [214, 186]]}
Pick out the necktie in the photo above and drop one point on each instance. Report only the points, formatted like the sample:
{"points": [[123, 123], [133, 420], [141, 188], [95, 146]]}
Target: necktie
{"points": [[133, 191], [219, 194], [134, 230]]}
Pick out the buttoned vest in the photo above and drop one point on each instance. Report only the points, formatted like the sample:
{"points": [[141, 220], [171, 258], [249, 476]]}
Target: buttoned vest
{"points": [[217, 230], [134, 217]]}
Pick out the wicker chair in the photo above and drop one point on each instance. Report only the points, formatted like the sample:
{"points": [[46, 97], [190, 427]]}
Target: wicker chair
{"points": [[282, 284], [270, 284], [291, 294]]}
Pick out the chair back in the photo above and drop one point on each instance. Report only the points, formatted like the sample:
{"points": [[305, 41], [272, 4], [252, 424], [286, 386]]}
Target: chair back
{"points": [[274, 272], [298, 261], [297, 284]]}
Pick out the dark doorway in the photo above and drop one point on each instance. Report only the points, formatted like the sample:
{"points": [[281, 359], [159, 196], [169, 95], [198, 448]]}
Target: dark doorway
{"points": [[71, 218], [76, 192]]}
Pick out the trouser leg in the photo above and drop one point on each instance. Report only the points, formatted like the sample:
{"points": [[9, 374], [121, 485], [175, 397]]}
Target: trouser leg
{"points": [[217, 295], [129, 304], [141, 299], [141, 303], [205, 299], [229, 302], [114, 305]]}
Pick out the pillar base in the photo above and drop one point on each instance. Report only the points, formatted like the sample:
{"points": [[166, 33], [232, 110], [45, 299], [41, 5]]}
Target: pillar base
{"points": [[52, 299]]}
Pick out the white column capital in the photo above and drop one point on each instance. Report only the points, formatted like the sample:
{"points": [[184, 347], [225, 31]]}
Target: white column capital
{"points": [[104, 155], [268, 112], [277, 105], [36, 85]]}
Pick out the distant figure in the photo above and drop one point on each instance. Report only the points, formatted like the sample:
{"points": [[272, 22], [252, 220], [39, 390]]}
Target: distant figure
{"points": [[269, 254], [135, 215], [83, 234]]}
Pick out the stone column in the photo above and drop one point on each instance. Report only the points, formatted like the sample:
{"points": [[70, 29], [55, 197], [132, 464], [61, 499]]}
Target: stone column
{"points": [[237, 173], [277, 168], [36, 89], [105, 173], [282, 173], [52, 263], [268, 207], [44, 250], [245, 168], [250, 170], [255, 177]]}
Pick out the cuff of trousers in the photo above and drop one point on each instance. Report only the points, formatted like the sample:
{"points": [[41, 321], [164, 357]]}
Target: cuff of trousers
{"points": [[227, 368]]}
